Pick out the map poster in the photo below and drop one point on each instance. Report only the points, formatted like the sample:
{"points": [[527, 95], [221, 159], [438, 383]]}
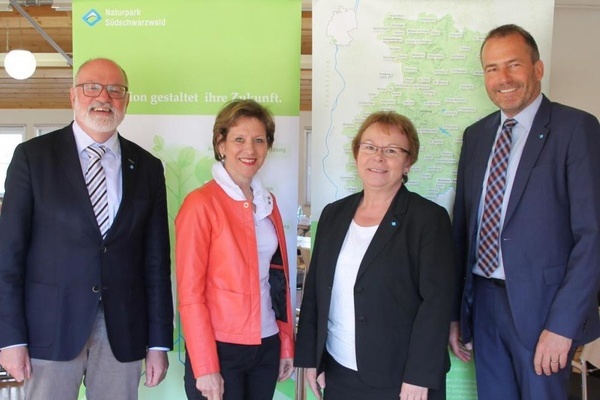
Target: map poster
{"points": [[421, 59], [417, 57]]}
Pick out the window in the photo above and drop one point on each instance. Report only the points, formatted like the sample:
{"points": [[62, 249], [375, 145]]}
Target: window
{"points": [[10, 137], [43, 129]]}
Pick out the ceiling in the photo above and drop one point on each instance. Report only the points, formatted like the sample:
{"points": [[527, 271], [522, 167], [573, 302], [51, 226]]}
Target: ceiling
{"points": [[49, 86]]}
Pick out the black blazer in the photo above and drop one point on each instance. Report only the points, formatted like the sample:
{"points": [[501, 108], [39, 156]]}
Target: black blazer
{"points": [[402, 295], [55, 267]]}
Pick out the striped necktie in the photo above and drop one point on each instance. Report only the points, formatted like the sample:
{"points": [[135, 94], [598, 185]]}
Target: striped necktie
{"points": [[489, 232], [95, 180]]}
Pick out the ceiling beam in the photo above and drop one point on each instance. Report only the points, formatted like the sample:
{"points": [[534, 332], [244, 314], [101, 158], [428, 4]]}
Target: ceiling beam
{"points": [[58, 5], [41, 31]]}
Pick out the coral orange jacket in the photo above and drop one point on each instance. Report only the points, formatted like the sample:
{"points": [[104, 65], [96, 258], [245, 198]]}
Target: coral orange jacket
{"points": [[217, 276]]}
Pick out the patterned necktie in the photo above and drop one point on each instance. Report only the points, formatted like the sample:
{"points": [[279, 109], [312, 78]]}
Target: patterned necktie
{"points": [[489, 232], [95, 179]]}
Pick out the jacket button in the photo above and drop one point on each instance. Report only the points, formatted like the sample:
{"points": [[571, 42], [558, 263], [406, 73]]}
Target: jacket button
{"points": [[360, 290], [246, 205], [362, 319], [104, 249], [95, 289]]}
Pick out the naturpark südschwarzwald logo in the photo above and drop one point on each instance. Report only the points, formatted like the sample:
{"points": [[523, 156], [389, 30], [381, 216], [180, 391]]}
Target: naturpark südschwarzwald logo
{"points": [[92, 17]]}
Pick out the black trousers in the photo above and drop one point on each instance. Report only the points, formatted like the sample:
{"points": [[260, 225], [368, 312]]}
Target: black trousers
{"points": [[342, 383], [249, 371]]}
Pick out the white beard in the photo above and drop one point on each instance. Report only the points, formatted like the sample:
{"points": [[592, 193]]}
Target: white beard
{"points": [[107, 123]]}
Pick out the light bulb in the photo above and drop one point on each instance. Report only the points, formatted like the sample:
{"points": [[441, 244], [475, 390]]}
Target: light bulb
{"points": [[20, 64]]}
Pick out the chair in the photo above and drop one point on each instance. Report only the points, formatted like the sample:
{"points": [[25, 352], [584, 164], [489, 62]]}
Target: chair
{"points": [[4, 376], [10, 389], [587, 361]]}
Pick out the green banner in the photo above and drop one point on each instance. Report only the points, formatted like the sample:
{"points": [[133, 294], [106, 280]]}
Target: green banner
{"points": [[189, 57], [184, 60]]}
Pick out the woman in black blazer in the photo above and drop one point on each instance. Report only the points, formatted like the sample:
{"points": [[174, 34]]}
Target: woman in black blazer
{"points": [[377, 301]]}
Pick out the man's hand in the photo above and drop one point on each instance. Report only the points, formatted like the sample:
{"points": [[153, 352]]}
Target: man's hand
{"points": [[286, 367], [551, 353], [15, 360], [157, 364], [460, 349], [413, 392], [211, 386], [316, 383]]}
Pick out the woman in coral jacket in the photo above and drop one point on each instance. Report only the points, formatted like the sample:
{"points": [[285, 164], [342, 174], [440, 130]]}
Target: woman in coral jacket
{"points": [[232, 268]]}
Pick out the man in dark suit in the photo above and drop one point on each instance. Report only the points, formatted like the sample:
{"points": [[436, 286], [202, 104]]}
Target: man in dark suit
{"points": [[85, 287], [530, 258]]}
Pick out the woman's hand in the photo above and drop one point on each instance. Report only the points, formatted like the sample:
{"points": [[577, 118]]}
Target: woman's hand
{"points": [[413, 392], [286, 367], [316, 383], [211, 386]]}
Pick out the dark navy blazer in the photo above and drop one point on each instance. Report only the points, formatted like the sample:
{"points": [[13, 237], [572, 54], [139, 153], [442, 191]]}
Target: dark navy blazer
{"points": [[551, 234], [55, 267]]}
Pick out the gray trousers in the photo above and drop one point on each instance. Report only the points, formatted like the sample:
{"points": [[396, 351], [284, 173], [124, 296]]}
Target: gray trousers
{"points": [[104, 377]]}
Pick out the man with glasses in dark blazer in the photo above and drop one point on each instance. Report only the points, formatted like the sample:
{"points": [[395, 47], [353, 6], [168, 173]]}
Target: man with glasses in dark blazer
{"points": [[85, 288]]}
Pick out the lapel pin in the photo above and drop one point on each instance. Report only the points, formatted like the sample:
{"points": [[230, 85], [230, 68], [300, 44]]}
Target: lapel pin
{"points": [[394, 223], [541, 136], [130, 163]]}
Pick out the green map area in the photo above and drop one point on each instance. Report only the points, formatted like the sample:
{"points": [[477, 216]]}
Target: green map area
{"points": [[438, 85]]}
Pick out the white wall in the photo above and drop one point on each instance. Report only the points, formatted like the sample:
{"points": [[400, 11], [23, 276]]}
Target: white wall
{"points": [[305, 123], [575, 78]]}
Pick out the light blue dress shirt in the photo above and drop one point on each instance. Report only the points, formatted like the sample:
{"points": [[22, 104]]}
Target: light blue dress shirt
{"points": [[520, 132], [111, 162]]}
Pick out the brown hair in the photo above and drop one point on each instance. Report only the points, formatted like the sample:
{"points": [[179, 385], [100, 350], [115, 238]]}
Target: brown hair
{"points": [[390, 119], [230, 114]]}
